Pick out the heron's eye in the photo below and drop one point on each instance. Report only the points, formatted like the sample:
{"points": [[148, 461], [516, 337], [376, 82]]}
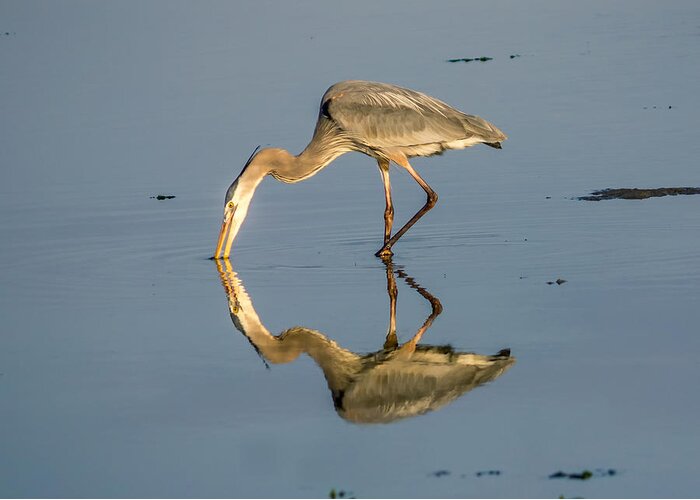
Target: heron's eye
{"points": [[229, 204]]}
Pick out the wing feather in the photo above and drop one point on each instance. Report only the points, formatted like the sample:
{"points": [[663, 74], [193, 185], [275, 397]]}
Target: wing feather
{"points": [[383, 117]]}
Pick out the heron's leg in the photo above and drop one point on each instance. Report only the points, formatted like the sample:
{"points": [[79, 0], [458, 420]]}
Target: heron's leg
{"points": [[389, 210], [391, 341], [430, 203]]}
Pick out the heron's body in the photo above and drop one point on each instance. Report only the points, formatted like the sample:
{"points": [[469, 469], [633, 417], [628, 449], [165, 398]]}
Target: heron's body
{"points": [[387, 122]]}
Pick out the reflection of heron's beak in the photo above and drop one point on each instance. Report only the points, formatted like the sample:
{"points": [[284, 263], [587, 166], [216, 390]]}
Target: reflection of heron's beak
{"points": [[225, 238], [229, 282]]}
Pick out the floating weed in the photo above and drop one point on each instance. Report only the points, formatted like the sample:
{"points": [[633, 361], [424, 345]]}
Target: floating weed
{"points": [[583, 475], [440, 473], [637, 194], [488, 473], [586, 474], [339, 494], [470, 59]]}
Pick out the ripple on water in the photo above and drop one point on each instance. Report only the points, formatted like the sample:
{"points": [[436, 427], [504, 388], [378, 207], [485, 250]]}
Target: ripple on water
{"points": [[96, 250], [94, 253]]}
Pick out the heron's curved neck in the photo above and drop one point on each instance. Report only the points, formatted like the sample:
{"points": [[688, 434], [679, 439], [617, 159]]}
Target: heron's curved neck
{"points": [[325, 146]]}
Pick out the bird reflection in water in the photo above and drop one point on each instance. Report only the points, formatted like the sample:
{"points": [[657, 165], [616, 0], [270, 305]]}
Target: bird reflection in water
{"points": [[396, 382]]}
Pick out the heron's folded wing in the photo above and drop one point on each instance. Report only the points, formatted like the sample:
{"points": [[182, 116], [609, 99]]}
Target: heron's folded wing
{"points": [[386, 116]]}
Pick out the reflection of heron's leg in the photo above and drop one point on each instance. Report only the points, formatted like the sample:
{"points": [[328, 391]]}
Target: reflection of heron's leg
{"points": [[435, 303], [389, 210], [436, 308], [391, 341], [430, 203]]}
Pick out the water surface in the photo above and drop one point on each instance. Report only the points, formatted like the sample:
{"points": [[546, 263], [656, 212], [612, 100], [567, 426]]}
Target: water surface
{"points": [[121, 372]]}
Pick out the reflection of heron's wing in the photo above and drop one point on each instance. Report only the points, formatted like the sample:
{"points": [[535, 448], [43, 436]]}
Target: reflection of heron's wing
{"points": [[391, 389]]}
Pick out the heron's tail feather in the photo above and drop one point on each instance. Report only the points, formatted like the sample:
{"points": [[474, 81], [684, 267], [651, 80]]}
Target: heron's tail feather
{"points": [[496, 145]]}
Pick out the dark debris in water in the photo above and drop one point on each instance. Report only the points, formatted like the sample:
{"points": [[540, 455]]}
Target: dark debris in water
{"points": [[637, 194], [586, 474], [470, 59], [440, 473], [583, 475], [488, 473], [163, 197], [339, 494], [558, 281]]}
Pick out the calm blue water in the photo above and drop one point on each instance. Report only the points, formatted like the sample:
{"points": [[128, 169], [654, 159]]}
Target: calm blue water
{"points": [[121, 372]]}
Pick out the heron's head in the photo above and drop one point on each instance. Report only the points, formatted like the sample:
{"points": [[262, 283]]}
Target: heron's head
{"points": [[237, 200]]}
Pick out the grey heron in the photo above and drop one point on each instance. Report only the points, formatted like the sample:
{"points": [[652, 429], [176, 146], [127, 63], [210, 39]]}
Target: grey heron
{"points": [[384, 121]]}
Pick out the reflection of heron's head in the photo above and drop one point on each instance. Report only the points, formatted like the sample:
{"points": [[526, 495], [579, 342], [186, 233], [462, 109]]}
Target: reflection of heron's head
{"points": [[391, 389]]}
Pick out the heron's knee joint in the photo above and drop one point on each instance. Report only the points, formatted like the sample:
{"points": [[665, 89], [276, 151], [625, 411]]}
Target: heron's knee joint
{"points": [[432, 199]]}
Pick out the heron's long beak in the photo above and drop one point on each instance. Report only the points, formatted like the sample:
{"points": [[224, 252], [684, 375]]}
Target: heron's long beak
{"points": [[223, 245]]}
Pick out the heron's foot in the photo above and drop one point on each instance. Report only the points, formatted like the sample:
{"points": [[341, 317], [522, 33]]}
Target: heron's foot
{"points": [[384, 253]]}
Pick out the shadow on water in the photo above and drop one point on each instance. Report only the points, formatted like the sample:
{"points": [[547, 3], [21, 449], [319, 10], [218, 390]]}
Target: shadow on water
{"points": [[393, 383]]}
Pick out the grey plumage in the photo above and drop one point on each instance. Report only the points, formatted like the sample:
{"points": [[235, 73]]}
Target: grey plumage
{"points": [[380, 118]]}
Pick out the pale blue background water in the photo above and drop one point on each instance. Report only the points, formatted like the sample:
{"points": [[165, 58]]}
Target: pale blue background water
{"points": [[120, 371]]}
